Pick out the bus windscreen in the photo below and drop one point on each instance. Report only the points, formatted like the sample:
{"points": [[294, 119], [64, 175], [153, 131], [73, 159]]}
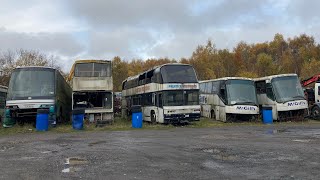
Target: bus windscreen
{"points": [[93, 70], [31, 82], [178, 74]]}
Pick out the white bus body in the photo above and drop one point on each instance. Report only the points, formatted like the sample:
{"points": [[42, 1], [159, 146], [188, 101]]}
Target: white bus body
{"points": [[229, 99], [284, 94], [3, 95], [92, 89], [167, 94]]}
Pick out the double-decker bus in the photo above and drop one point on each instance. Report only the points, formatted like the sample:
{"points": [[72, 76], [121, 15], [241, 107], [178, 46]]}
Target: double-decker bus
{"points": [[92, 87], [167, 94], [3, 95], [33, 88], [229, 99], [284, 94]]}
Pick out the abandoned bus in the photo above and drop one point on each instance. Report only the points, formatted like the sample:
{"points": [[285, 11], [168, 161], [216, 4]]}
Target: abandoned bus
{"points": [[33, 88], [167, 94], [284, 94], [92, 87], [3, 95], [229, 99]]}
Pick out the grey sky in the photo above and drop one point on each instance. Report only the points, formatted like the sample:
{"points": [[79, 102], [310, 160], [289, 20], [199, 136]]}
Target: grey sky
{"points": [[79, 29]]}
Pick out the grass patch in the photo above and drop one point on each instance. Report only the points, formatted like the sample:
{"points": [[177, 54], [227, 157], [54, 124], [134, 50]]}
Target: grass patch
{"points": [[121, 124], [26, 129]]}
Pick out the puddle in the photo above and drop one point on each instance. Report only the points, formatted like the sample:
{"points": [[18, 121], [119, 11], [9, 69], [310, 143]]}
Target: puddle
{"points": [[225, 157], [5, 148], [96, 143], [27, 158], [276, 131], [220, 154], [48, 152], [214, 150], [212, 165], [302, 140], [76, 161], [72, 163], [67, 170], [71, 170], [208, 150], [63, 145]]}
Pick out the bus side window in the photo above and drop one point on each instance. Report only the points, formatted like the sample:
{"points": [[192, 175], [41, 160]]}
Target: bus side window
{"points": [[269, 91], [153, 99], [318, 90], [159, 100]]}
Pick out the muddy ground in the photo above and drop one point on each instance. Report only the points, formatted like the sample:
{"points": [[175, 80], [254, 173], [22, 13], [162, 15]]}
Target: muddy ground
{"points": [[232, 152]]}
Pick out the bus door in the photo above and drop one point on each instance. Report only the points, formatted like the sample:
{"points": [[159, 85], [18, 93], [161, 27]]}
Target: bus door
{"points": [[160, 107], [222, 103]]}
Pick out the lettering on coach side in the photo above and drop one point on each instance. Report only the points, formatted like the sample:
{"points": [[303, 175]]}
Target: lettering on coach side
{"points": [[182, 86], [175, 86], [246, 108], [296, 103]]}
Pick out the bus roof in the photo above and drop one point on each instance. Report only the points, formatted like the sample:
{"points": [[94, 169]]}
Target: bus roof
{"points": [[155, 67], [274, 76], [84, 61], [42, 67], [226, 78]]}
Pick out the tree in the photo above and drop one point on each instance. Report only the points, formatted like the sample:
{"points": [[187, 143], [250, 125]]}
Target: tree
{"points": [[310, 68], [12, 59], [203, 61], [119, 73], [265, 65]]}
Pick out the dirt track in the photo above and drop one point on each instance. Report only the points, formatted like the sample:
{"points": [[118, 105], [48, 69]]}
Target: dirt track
{"points": [[235, 152]]}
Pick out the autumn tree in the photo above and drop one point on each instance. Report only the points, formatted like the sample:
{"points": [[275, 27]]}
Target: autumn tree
{"points": [[265, 65], [119, 73], [203, 62]]}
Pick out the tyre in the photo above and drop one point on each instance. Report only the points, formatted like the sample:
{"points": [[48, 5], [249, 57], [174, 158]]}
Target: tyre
{"points": [[315, 112]]}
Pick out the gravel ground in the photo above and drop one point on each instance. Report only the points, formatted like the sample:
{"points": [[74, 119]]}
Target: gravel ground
{"points": [[230, 152]]}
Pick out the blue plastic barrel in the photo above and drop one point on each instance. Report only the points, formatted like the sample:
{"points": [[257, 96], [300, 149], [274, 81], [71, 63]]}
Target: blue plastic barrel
{"points": [[267, 115], [77, 119], [136, 116], [42, 121]]}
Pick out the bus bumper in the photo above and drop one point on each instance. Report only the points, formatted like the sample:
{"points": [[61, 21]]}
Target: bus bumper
{"points": [[180, 118]]}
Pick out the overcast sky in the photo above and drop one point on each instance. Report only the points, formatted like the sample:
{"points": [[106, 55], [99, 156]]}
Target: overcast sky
{"points": [[102, 29]]}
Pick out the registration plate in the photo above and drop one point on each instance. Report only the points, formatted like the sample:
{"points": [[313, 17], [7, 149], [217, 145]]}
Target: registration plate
{"points": [[187, 115]]}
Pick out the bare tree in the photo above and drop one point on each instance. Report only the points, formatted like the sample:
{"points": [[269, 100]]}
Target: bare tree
{"points": [[11, 59]]}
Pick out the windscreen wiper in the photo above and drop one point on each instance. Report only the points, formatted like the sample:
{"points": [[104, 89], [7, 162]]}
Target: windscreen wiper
{"points": [[298, 97], [245, 103]]}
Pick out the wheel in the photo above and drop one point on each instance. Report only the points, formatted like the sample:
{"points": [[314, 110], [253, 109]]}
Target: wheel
{"points": [[153, 117], [315, 112], [229, 118]]}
